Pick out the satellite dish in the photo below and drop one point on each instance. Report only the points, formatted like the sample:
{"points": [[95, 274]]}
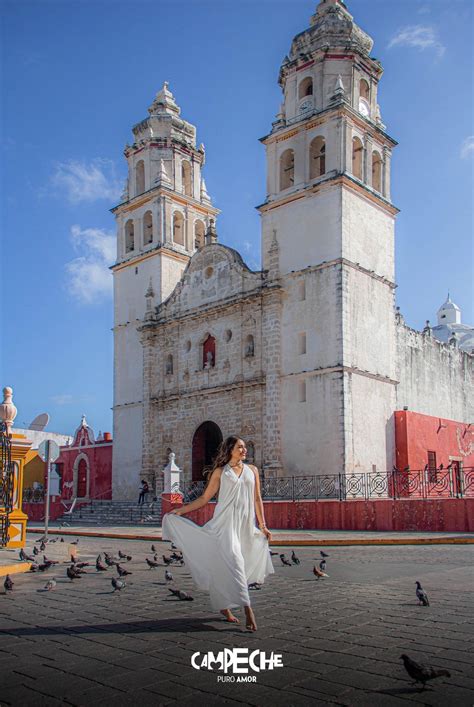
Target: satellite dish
{"points": [[40, 422]]}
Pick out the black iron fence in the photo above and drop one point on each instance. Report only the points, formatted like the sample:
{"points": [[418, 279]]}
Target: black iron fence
{"points": [[31, 495], [416, 484], [7, 480]]}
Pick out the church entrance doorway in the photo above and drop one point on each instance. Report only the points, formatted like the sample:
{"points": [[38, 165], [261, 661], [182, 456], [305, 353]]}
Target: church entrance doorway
{"points": [[206, 441]]}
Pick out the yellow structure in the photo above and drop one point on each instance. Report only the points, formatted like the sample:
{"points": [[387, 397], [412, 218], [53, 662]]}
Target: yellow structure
{"points": [[20, 447], [17, 530]]}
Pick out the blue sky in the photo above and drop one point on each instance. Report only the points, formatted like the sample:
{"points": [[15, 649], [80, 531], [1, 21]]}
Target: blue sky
{"points": [[78, 75]]}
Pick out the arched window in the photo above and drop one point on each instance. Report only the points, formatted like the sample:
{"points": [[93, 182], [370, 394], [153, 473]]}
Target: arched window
{"points": [[199, 231], [306, 87], [376, 171], [178, 228], [140, 177], [129, 236], [357, 152], [186, 178], [364, 90], [169, 365], [148, 228], [287, 169], [209, 352], [249, 351], [317, 157]]}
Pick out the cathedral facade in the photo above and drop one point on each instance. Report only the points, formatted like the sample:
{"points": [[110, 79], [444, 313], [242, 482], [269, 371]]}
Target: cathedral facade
{"points": [[307, 359]]}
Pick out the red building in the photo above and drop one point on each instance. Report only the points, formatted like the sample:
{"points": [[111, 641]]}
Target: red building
{"points": [[434, 452], [85, 466]]}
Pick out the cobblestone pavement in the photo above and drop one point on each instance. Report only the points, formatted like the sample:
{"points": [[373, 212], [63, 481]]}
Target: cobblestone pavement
{"points": [[340, 638]]}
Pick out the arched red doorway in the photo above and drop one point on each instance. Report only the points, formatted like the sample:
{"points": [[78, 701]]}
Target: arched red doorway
{"points": [[82, 479], [206, 441]]}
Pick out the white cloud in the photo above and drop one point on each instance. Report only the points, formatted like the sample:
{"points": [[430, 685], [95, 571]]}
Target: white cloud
{"points": [[90, 279], [420, 37], [247, 246], [87, 181], [467, 147]]}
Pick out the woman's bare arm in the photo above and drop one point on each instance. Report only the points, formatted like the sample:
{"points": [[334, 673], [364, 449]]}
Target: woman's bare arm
{"points": [[259, 510], [211, 489]]}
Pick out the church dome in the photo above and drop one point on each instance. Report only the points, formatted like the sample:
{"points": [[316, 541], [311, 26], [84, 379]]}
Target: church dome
{"points": [[449, 313], [450, 329], [332, 25]]}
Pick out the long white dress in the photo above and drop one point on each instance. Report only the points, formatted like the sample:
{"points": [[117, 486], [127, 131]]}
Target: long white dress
{"points": [[229, 551]]}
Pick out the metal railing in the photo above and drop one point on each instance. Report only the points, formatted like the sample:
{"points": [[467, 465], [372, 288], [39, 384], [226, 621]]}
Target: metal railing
{"points": [[7, 480], [31, 495], [416, 484]]}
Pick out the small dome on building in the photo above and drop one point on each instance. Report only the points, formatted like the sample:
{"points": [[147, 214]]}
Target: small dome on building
{"points": [[451, 330], [449, 313]]}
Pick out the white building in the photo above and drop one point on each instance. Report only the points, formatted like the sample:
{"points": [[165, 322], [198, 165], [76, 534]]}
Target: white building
{"points": [[307, 359]]}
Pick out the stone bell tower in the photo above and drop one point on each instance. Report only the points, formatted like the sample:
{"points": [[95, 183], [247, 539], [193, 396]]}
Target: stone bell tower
{"points": [[162, 220], [328, 203]]}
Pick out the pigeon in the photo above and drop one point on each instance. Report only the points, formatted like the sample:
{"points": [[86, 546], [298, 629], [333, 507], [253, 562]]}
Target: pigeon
{"points": [[154, 549], [118, 584], [44, 566], [40, 540], [122, 571], [35, 551], [255, 585], [34, 567], [50, 562], [294, 559], [8, 584], [73, 559], [167, 560], [62, 540], [43, 546], [422, 596], [176, 557], [72, 573], [319, 573], [272, 554], [322, 565], [50, 584], [75, 542], [155, 557], [124, 556], [182, 596], [168, 576], [54, 541], [100, 567], [151, 563], [25, 557], [323, 554], [422, 673], [109, 561], [80, 565], [284, 560]]}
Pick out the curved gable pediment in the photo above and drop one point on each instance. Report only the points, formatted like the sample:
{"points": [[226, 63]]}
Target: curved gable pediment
{"points": [[214, 273]]}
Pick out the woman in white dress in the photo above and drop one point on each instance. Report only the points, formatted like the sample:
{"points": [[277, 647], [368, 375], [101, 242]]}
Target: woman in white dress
{"points": [[229, 552]]}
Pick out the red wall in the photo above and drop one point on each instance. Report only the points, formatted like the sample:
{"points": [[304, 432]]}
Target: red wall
{"points": [[416, 434], [100, 469], [433, 515]]}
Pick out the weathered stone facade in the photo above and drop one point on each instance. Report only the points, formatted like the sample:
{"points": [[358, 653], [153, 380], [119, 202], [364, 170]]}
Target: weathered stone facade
{"points": [[307, 359]]}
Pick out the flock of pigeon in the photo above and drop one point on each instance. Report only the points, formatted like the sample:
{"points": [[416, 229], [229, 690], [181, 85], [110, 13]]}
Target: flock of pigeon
{"points": [[75, 570]]}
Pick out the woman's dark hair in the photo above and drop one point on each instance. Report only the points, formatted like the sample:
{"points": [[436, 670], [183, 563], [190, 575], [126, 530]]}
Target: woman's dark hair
{"points": [[223, 455]]}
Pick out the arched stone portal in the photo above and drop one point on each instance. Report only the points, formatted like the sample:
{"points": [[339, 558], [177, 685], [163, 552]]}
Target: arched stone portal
{"points": [[206, 441]]}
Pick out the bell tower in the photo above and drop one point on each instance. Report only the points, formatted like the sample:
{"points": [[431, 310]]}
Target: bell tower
{"points": [[328, 204], [164, 215]]}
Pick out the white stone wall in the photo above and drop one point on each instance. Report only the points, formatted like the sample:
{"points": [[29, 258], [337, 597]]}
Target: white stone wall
{"points": [[435, 378]]}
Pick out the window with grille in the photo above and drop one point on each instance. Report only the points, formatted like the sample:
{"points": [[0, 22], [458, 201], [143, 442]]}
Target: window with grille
{"points": [[432, 475]]}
